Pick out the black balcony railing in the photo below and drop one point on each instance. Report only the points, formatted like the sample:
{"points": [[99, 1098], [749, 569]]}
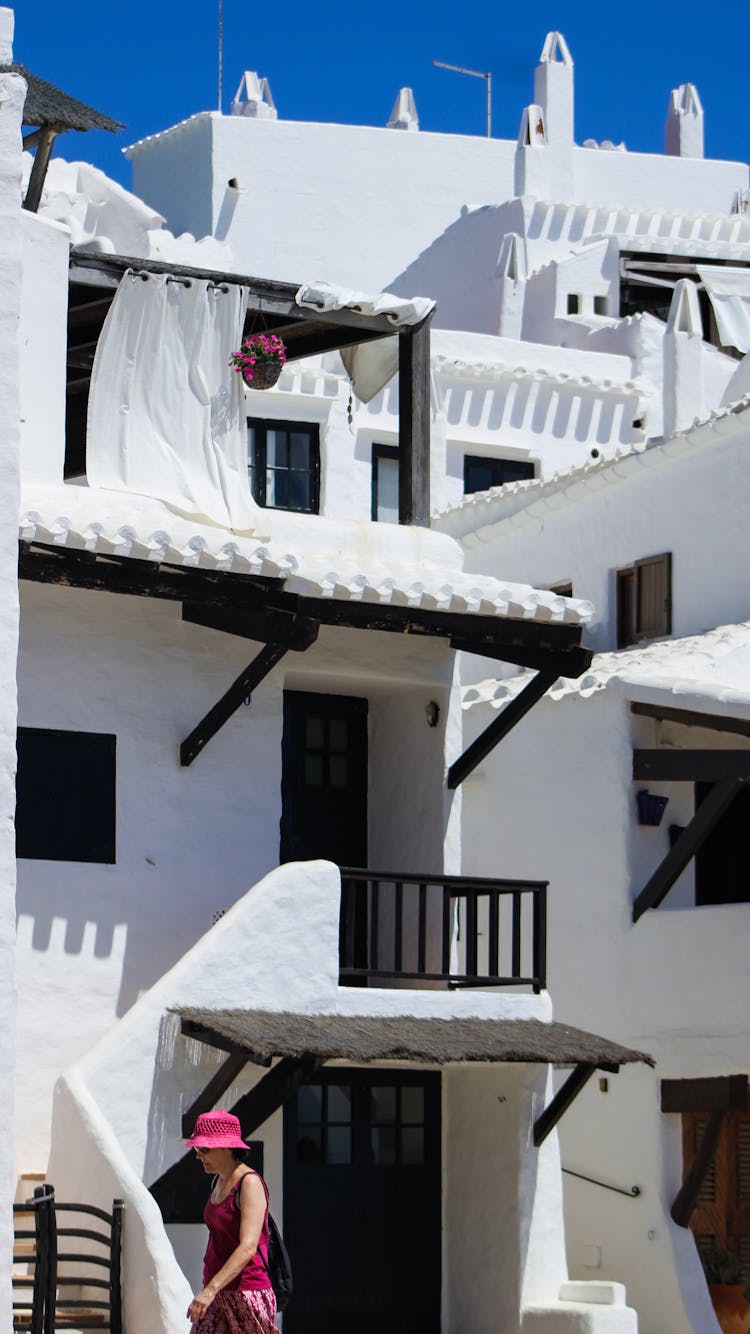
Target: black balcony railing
{"points": [[458, 930]]}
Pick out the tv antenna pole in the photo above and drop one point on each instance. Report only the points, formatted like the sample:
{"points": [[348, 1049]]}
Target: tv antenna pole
{"points": [[475, 74], [221, 48]]}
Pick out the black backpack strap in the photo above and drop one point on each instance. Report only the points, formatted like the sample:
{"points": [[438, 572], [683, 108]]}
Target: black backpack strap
{"points": [[235, 1196]]}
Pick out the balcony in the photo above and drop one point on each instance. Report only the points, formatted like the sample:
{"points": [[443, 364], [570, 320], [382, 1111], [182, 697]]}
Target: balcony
{"points": [[454, 931]]}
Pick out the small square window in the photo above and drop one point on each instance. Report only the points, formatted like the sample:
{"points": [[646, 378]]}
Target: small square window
{"points": [[600, 305], [482, 473], [283, 464], [65, 796]]}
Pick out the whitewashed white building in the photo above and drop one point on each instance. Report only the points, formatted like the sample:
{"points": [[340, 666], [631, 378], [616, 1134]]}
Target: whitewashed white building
{"points": [[589, 302]]}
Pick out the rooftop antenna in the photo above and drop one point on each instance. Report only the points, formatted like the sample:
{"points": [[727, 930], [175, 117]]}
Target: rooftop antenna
{"points": [[475, 74], [221, 49]]}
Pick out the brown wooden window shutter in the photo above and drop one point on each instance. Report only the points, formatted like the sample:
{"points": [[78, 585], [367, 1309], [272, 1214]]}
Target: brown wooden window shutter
{"points": [[722, 1212], [653, 596]]}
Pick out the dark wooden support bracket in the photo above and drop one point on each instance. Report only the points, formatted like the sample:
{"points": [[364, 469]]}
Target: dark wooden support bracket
{"points": [[686, 845], [414, 424], [268, 625], [687, 1196], [215, 1089], [572, 662], [237, 693], [500, 727], [45, 143], [566, 1094], [271, 1092], [712, 722]]}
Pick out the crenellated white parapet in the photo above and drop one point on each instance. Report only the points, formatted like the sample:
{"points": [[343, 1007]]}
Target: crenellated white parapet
{"points": [[684, 124]]}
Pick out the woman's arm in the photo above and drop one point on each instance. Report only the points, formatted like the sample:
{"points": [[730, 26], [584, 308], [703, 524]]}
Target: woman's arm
{"points": [[252, 1201]]}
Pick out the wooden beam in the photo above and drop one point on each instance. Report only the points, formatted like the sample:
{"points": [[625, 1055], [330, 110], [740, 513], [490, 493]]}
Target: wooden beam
{"points": [[500, 727], [215, 1089], [414, 424], [690, 766], [566, 1094], [238, 692], [268, 296], [270, 626], [47, 136], [571, 663], [271, 1092], [714, 722], [725, 1093], [526, 642], [687, 1196], [687, 844]]}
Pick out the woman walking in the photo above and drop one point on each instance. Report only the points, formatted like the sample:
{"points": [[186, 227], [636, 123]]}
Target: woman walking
{"points": [[237, 1296]]}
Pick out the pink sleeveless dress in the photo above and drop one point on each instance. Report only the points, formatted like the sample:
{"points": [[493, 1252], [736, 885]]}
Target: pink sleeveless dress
{"points": [[246, 1305]]}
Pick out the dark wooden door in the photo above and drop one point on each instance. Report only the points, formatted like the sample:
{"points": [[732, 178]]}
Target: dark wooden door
{"points": [[362, 1203], [722, 1213], [324, 779]]}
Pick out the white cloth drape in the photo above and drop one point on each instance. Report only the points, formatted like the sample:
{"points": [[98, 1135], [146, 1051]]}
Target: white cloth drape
{"points": [[729, 293], [167, 414]]}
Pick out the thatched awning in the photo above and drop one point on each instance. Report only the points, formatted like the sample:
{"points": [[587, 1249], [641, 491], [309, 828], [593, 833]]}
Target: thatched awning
{"points": [[336, 1037]]}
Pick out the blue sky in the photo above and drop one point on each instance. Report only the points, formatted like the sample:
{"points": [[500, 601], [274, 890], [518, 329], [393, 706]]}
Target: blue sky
{"points": [[150, 64]]}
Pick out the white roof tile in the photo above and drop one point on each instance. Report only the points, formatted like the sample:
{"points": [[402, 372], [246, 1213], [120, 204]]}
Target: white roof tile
{"points": [[312, 556]]}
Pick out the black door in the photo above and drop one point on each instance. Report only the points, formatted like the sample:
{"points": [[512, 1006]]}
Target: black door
{"points": [[362, 1203], [324, 779]]}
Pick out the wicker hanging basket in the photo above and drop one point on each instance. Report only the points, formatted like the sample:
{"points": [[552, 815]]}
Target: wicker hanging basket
{"points": [[265, 375]]}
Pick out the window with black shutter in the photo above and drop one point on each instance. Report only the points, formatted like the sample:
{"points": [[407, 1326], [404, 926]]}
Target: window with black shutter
{"points": [[482, 473], [721, 863], [65, 795], [644, 600]]}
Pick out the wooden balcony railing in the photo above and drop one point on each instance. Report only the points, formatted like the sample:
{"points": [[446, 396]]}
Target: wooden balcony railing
{"points": [[456, 930]]}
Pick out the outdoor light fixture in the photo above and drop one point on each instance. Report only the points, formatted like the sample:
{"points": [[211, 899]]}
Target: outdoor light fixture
{"points": [[650, 807]]}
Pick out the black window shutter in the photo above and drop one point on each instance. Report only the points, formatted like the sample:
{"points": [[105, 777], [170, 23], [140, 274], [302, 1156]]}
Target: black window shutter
{"points": [[65, 795]]}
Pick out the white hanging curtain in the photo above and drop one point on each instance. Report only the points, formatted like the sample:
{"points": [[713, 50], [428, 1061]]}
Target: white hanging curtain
{"points": [[167, 415], [729, 293]]}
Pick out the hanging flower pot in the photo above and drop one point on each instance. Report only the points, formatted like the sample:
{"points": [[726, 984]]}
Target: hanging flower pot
{"points": [[650, 807], [260, 360]]}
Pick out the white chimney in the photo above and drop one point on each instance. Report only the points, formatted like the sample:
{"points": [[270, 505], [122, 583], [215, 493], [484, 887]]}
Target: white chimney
{"points": [[553, 89], [684, 127], [7, 22], [683, 359], [404, 114], [254, 98]]}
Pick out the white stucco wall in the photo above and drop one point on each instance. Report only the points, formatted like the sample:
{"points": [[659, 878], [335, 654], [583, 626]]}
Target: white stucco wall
{"points": [[189, 840], [12, 96], [277, 949], [688, 500], [43, 347], [556, 800], [408, 187]]}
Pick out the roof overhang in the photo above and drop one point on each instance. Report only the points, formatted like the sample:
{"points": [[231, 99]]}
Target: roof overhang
{"points": [[265, 1035]]}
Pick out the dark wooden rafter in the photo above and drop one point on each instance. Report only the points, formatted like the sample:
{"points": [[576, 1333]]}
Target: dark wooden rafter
{"points": [[691, 766], [566, 1094], [513, 712], [238, 693], [713, 722], [215, 1088], [414, 424], [688, 842], [280, 627], [532, 643], [256, 1106]]}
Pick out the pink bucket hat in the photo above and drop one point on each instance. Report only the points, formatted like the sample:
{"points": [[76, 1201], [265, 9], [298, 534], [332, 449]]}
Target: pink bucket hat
{"points": [[217, 1130]]}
